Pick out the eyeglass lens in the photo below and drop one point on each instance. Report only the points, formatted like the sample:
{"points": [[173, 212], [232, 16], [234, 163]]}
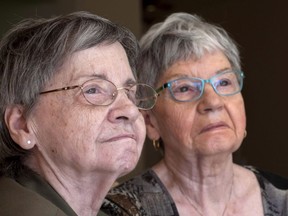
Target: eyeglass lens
{"points": [[188, 89], [104, 92], [145, 96]]}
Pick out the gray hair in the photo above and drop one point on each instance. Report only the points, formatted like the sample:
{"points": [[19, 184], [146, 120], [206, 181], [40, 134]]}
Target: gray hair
{"points": [[33, 50], [179, 37]]}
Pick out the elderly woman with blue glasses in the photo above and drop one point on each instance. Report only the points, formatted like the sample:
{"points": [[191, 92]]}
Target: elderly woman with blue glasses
{"points": [[198, 122], [70, 119]]}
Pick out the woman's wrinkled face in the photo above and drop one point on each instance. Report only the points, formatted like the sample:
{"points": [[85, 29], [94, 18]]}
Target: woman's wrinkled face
{"points": [[72, 135], [210, 125]]}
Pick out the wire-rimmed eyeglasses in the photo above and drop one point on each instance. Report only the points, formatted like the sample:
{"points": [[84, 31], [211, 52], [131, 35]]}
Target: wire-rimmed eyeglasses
{"points": [[226, 83], [103, 92]]}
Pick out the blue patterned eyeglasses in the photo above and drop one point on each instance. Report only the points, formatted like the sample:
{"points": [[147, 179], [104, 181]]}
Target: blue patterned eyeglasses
{"points": [[226, 83]]}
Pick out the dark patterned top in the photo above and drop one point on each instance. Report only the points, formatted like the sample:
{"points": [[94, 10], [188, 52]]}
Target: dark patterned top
{"points": [[145, 195]]}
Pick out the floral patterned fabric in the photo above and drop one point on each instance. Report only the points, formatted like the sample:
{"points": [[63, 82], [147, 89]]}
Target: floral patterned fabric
{"points": [[145, 195]]}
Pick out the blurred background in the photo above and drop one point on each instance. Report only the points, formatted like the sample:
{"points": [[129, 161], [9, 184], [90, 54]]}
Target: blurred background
{"points": [[259, 27]]}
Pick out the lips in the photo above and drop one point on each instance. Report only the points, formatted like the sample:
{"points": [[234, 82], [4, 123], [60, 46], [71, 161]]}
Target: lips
{"points": [[119, 137], [214, 126]]}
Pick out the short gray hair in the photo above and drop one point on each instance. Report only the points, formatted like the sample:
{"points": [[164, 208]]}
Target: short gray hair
{"points": [[179, 37], [33, 50]]}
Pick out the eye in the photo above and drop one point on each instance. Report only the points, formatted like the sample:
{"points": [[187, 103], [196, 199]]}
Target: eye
{"points": [[187, 88], [181, 89], [92, 90], [224, 82]]}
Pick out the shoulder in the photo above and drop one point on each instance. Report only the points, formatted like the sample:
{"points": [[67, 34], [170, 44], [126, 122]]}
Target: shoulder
{"points": [[274, 191], [142, 195], [265, 177], [18, 200]]}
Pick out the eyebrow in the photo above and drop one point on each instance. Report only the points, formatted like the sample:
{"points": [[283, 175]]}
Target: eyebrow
{"points": [[176, 76], [128, 82], [223, 70], [101, 76]]}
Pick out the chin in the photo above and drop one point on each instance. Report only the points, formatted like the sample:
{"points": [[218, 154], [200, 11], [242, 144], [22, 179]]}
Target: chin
{"points": [[127, 164], [126, 169], [219, 146]]}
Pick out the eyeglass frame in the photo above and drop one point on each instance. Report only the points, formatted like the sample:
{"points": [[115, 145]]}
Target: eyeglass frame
{"points": [[238, 73], [114, 95]]}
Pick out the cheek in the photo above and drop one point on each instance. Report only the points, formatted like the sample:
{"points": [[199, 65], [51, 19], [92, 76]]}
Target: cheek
{"points": [[177, 120], [239, 116], [141, 131], [241, 126], [236, 111], [67, 128]]}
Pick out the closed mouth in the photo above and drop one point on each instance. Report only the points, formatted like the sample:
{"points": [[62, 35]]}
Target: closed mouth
{"points": [[214, 126], [121, 137]]}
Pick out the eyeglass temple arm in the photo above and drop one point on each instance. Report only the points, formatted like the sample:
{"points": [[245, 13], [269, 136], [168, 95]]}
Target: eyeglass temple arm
{"points": [[60, 89], [165, 85]]}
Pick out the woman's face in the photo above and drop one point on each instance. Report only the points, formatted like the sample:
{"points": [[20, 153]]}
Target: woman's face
{"points": [[210, 125], [74, 136]]}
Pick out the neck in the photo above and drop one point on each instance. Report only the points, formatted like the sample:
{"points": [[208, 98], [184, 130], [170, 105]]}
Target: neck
{"points": [[197, 207], [207, 189], [86, 198], [83, 193]]}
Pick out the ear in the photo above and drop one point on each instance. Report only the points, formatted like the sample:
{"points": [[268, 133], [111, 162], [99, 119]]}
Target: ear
{"points": [[18, 127], [152, 128]]}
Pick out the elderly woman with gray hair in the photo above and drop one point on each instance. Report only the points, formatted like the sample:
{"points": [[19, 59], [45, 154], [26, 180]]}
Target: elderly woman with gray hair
{"points": [[198, 122], [70, 120]]}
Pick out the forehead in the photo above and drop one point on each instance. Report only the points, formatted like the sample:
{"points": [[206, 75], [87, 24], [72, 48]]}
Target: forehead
{"points": [[107, 61], [204, 67]]}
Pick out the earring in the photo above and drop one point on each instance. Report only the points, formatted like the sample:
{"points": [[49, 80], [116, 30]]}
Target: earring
{"points": [[28, 142], [245, 133], [156, 144]]}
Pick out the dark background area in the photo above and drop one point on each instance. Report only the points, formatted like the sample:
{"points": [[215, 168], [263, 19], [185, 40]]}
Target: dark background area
{"points": [[260, 29]]}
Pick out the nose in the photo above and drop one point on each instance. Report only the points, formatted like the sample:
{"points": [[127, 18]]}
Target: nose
{"points": [[210, 100], [123, 109]]}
